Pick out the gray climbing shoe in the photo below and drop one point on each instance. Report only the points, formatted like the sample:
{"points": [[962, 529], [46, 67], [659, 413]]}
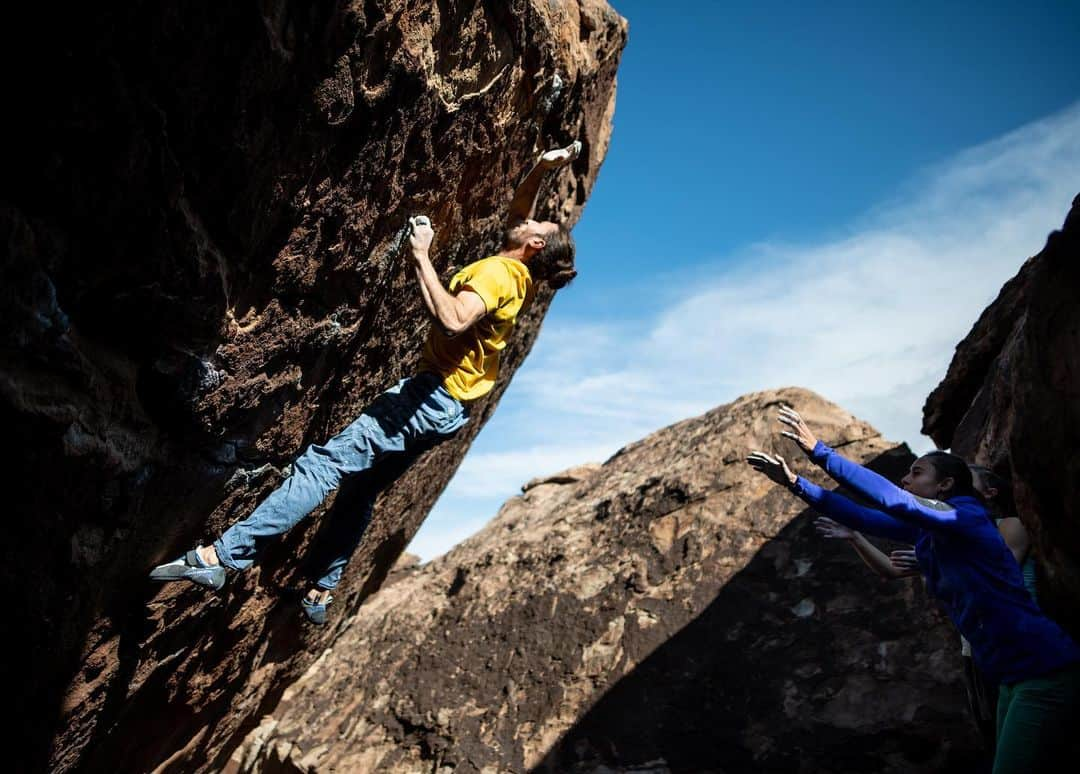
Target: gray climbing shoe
{"points": [[315, 611], [192, 568]]}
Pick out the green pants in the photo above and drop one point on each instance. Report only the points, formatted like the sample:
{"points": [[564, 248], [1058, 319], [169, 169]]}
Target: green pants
{"points": [[1038, 724]]}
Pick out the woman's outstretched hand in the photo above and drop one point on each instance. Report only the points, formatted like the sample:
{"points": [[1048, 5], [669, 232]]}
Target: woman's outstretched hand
{"points": [[800, 431], [826, 527], [773, 466]]}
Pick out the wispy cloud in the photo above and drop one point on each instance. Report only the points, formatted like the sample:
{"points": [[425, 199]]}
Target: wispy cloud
{"points": [[868, 318]]}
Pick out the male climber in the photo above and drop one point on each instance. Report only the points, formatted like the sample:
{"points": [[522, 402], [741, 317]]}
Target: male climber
{"points": [[472, 321]]}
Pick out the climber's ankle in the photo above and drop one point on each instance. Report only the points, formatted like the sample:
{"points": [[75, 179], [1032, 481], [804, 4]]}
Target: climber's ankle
{"points": [[209, 555], [318, 595]]}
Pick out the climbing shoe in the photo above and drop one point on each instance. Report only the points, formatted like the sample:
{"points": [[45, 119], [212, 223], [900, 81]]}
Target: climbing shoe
{"points": [[191, 567], [315, 611]]}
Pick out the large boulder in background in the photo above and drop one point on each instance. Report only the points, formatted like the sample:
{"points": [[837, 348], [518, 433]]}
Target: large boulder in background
{"points": [[670, 610], [200, 219], [1011, 400]]}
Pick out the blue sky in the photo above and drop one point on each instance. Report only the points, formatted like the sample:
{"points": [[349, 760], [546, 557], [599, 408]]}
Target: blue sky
{"points": [[793, 195]]}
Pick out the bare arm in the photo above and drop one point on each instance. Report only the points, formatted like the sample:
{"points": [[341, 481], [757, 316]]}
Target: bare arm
{"points": [[524, 201], [1016, 537], [454, 313], [874, 558]]}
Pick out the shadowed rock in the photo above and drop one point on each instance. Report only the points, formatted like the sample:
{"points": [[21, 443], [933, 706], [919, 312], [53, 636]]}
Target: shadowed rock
{"points": [[201, 278], [1011, 400], [670, 610]]}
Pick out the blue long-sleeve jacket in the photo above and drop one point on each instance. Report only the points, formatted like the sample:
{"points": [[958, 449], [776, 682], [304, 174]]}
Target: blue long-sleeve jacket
{"points": [[966, 563]]}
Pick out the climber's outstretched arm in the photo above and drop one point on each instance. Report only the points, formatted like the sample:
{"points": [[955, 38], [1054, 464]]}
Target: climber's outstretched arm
{"points": [[524, 201], [454, 313]]}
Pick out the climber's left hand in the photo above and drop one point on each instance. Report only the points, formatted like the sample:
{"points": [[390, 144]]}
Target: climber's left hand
{"points": [[560, 157]]}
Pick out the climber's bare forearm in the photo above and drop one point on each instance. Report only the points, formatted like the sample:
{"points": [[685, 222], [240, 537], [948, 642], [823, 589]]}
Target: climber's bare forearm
{"points": [[524, 202], [454, 314], [439, 303], [429, 304]]}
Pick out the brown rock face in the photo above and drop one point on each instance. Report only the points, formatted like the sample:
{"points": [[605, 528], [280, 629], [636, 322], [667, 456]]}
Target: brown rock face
{"points": [[669, 610], [200, 280], [1011, 400]]}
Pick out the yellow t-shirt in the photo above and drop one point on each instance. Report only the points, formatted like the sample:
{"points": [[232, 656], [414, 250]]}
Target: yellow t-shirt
{"points": [[469, 362]]}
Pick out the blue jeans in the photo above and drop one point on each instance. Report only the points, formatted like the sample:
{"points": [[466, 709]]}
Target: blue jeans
{"points": [[408, 418]]}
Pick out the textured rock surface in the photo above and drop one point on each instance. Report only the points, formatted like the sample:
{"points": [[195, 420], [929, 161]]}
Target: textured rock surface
{"points": [[667, 611], [1011, 399], [199, 282]]}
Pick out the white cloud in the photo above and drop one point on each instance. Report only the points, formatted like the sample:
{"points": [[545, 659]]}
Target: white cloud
{"points": [[456, 523], [869, 319], [507, 471]]}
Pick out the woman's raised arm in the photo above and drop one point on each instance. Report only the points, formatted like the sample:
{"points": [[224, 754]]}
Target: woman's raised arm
{"points": [[836, 506], [896, 502]]}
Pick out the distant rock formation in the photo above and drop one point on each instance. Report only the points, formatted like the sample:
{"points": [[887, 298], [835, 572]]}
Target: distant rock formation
{"points": [[200, 213], [1011, 400], [669, 610]]}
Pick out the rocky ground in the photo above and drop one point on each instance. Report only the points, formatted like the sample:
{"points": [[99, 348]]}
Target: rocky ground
{"points": [[1011, 400]]}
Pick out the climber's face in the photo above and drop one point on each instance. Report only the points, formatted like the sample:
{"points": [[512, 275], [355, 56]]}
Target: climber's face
{"points": [[533, 233]]}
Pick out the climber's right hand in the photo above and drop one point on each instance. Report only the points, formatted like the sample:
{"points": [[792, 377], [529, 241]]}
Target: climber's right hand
{"points": [[420, 234]]}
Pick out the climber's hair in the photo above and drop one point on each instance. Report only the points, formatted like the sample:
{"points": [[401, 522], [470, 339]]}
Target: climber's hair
{"points": [[951, 466], [1002, 503], [554, 263]]}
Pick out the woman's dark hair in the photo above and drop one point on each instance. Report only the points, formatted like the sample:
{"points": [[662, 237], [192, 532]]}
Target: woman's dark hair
{"points": [[554, 263], [950, 466], [1002, 503]]}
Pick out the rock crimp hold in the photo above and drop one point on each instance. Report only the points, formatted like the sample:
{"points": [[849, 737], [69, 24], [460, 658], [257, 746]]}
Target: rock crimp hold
{"points": [[669, 610], [200, 282], [1011, 400]]}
